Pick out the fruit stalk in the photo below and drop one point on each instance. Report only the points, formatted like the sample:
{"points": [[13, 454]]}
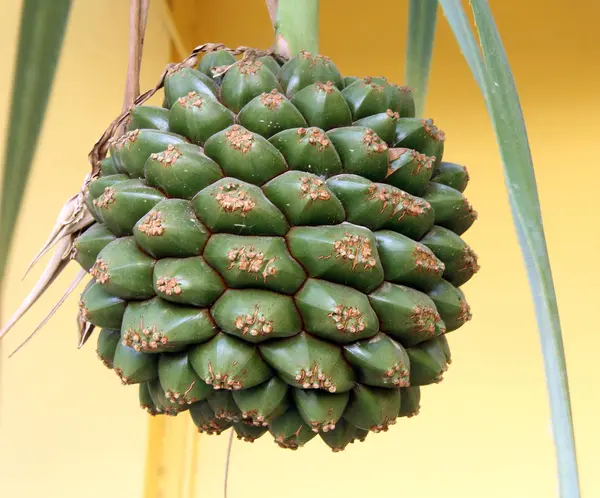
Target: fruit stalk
{"points": [[296, 24]]}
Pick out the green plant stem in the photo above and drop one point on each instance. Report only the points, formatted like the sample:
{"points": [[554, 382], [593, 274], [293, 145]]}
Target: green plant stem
{"points": [[422, 20], [494, 76], [296, 24]]}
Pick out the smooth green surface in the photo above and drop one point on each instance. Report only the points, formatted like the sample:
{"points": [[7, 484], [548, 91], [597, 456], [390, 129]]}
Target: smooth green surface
{"points": [[298, 23], [422, 21], [41, 36]]}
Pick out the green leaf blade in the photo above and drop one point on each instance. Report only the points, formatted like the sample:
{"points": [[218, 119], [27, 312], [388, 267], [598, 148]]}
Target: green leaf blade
{"points": [[422, 21], [494, 76], [41, 36]]}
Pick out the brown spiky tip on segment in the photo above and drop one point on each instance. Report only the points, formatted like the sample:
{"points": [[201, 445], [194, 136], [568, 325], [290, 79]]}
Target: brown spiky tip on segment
{"points": [[83, 311], [404, 89], [100, 271], [324, 87], [425, 318], [356, 249], [348, 319], [271, 100], [179, 398], [316, 138], [246, 438], [108, 197], [422, 161], [151, 410], [383, 194], [384, 427], [393, 114], [144, 339], [432, 130], [247, 259], [251, 417], [314, 188], [254, 324], [192, 99], [322, 426], [249, 65], [124, 380], [469, 260], [124, 140], [169, 286], [167, 157], [152, 224], [228, 416], [426, 261], [210, 428], [315, 378], [470, 212], [288, 444], [368, 81], [465, 312], [401, 374], [232, 197], [221, 381], [239, 139], [104, 362], [314, 58], [411, 206], [373, 142]]}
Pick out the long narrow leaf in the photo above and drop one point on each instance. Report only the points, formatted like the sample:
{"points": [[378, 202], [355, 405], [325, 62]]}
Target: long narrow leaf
{"points": [[498, 86], [422, 20], [41, 35]]}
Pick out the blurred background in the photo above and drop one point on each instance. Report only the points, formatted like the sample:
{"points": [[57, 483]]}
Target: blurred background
{"points": [[69, 429]]}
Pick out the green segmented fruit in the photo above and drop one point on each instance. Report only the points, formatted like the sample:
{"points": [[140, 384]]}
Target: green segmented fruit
{"points": [[323, 106], [308, 149], [101, 308], [226, 362], [406, 314], [245, 155], [269, 113], [410, 399], [379, 361], [407, 262], [367, 97], [108, 166], [256, 315], [321, 411], [277, 250], [234, 206], [263, 403], [199, 117], [341, 436], [148, 117], [421, 135], [254, 262], [344, 253], [123, 270], [181, 170], [124, 203], [106, 346], [215, 59], [335, 312], [206, 421], [171, 229], [309, 363], [182, 81], [134, 367], [383, 124], [305, 199], [452, 209], [459, 259], [409, 170], [428, 362], [187, 281], [451, 305], [180, 383], [249, 433], [224, 406], [131, 150], [290, 431], [146, 401], [244, 81], [372, 408], [451, 174], [305, 69], [156, 326], [89, 244], [362, 152]]}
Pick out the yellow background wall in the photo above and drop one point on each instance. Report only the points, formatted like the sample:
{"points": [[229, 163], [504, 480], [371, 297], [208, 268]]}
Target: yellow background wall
{"points": [[69, 429]]}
